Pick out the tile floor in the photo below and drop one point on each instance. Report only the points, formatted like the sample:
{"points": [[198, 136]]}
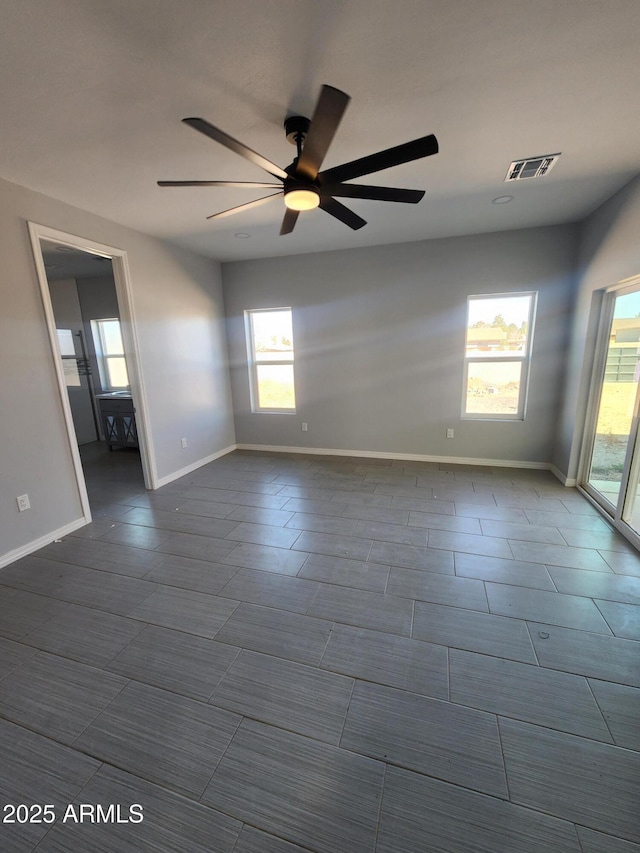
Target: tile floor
{"points": [[281, 653]]}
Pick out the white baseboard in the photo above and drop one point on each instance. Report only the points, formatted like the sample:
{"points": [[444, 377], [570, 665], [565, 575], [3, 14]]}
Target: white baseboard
{"points": [[569, 482], [407, 457], [30, 547], [169, 478]]}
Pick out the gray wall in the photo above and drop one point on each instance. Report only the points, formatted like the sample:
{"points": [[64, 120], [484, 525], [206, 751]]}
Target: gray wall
{"points": [[98, 297], [177, 299], [379, 342], [609, 253]]}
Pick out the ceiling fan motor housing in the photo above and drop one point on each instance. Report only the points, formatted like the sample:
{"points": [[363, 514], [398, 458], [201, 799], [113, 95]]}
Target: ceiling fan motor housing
{"points": [[296, 128]]}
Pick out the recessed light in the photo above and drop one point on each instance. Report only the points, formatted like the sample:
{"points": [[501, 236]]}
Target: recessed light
{"points": [[242, 235], [502, 199]]}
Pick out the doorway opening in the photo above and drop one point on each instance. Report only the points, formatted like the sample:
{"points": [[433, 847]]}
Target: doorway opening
{"points": [[610, 469], [86, 298]]}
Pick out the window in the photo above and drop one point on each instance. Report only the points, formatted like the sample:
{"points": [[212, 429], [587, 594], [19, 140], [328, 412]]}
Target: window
{"points": [[270, 353], [498, 352], [107, 339]]}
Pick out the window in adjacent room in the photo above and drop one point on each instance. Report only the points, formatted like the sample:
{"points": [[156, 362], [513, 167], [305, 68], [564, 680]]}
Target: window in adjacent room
{"points": [[107, 339], [270, 353], [498, 354]]}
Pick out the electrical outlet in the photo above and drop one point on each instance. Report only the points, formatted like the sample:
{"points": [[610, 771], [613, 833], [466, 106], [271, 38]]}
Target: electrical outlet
{"points": [[304, 427], [183, 442], [23, 502], [449, 433]]}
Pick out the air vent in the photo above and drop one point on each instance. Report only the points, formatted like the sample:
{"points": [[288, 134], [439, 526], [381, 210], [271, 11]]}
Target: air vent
{"points": [[532, 167]]}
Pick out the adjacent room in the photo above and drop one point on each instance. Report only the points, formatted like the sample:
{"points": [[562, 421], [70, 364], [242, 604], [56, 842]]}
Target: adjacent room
{"points": [[320, 369]]}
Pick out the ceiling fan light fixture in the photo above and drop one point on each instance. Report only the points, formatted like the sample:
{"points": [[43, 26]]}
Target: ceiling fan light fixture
{"points": [[302, 199]]}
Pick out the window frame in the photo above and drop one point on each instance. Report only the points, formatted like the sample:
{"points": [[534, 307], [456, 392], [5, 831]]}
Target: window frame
{"points": [[253, 362], [103, 357], [524, 359]]}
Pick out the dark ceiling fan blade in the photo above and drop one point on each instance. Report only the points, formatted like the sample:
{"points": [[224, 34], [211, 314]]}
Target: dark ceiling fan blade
{"points": [[289, 221], [256, 203], [233, 145], [219, 184], [373, 193], [423, 147], [337, 209], [327, 115]]}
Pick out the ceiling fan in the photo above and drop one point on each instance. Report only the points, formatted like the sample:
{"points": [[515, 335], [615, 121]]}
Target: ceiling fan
{"points": [[302, 184]]}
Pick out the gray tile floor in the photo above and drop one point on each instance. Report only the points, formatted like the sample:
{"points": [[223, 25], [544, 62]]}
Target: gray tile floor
{"points": [[283, 653]]}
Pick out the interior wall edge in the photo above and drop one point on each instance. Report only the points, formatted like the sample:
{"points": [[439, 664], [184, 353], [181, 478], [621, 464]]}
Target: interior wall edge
{"points": [[175, 475], [569, 482]]}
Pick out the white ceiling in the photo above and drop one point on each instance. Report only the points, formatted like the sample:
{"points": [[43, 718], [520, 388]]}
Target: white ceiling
{"points": [[92, 93]]}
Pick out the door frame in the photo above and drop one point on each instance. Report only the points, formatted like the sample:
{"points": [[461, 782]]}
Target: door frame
{"points": [[605, 308], [122, 280]]}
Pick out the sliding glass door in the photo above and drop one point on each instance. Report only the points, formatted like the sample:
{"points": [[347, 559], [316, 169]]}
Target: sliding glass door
{"points": [[612, 472]]}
